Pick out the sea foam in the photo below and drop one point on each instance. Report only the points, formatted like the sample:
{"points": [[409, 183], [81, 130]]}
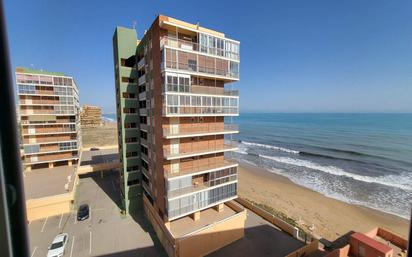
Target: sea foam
{"points": [[403, 181], [277, 148]]}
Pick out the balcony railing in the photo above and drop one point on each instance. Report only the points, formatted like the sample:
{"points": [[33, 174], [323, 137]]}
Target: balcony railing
{"points": [[197, 169], [201, 186], [141, 63], [203, 128], [228, 191], [142, 79], [53, 130], [46, 111], [199, 69], [190, 110], [193, 46], [43, 102], [198, 149], [201, 90]]}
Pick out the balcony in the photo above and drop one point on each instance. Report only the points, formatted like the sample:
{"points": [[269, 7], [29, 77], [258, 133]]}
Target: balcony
{"points": [[142, 96], [142, 80], [146, 187], [143, 127], [200, 90], [226, 147], [141, 63], [193, 46], [199, 70], [201, 169], [143, 111], [215, 195], [46, 131], [201, 186], [194, 131], [187, 111], [46, 112]]}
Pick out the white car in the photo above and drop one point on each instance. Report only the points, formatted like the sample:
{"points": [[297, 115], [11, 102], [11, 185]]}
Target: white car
{"points": [[57, 247]]}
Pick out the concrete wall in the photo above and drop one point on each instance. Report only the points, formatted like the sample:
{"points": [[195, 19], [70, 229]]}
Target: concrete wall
{"points": [[216, 235], [48, 206], [342, 252], [393, 238], [291, 230], [165, 238], [356, 245], [52, 205], [305, 250]]}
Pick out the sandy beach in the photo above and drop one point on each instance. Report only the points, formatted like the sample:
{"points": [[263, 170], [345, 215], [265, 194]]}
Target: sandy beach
{"points": [[100, 136], [330, 217]]}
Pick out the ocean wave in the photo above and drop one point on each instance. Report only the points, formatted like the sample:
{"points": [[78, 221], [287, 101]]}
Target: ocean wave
{"points": [[277, 148], [399, 181], [354, 154], [241, 151], [108, 119]]}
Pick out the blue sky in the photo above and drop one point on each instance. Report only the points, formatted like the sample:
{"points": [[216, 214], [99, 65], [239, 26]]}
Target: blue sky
{"points": [[296, 56]]}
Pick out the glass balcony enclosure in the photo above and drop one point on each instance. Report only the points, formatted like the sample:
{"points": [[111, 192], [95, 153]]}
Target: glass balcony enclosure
{"points": [[199, 64], [208, 45], [184, 205], [188, 184], [176, 131]]}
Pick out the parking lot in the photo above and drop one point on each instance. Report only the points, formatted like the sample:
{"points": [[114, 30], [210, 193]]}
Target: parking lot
{"points": [[105, 233]]}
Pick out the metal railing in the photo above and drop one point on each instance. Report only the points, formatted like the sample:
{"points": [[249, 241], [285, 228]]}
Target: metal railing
{"points": [[141, 63], [197, 187], [198, 68], [198, 149], [201, 90], [201, 128], [226, 194], [142, 79], [194, 46], [200, 168], [191, 110]]}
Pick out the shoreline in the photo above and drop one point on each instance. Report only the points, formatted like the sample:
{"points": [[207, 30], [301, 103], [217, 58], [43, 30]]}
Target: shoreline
{"points": [[331, 217]]}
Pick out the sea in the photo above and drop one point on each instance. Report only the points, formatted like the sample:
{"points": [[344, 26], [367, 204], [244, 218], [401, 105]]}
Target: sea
{"points": [[363, 159], [109, 117]]}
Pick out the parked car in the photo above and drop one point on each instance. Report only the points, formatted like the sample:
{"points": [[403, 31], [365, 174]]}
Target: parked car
{"points": [[57, 248], [94, 149], [83, 212]]}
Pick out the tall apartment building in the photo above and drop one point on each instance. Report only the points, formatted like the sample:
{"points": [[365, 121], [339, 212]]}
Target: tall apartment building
{"points": [[49, 118], [171, 109]]}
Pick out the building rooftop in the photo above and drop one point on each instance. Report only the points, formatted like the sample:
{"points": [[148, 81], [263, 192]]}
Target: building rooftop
{"points": [[371, 242], [48, 182], [261, 239], [190, 26], [99, 156], [43, 72], [186, 225]]}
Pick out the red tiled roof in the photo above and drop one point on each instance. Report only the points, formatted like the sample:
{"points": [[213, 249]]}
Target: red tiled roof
{"points": [[371, 242]]}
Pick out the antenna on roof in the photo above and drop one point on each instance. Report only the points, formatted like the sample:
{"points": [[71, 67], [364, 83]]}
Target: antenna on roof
{"points": [[134, 24]]}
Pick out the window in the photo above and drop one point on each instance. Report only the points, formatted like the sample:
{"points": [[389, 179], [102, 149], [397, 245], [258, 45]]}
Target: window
{"points": [[27, 89], [234, 69], [28, 149], [67, 146], [192, 64]]}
